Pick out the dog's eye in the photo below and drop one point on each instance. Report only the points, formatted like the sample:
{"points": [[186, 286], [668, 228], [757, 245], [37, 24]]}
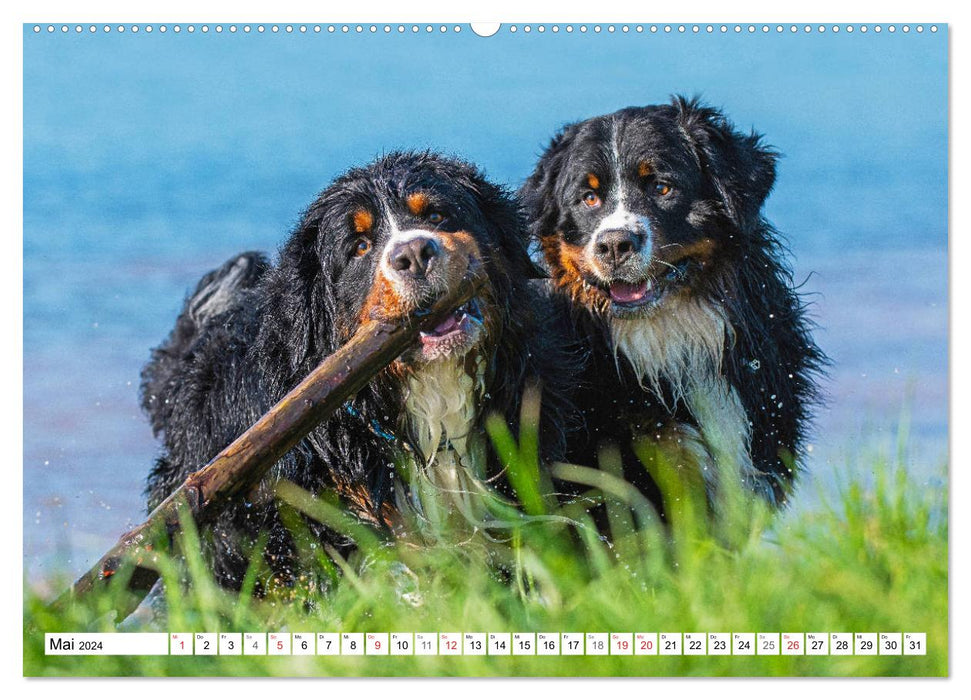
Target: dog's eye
{"points": [[362, 247], [662, 188], [591, 199], [436, 217]]}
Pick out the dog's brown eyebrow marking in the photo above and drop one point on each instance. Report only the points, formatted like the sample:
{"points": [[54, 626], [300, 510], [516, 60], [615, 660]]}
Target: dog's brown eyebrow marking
{"points": [[417, 203], [363, 220], [593, 181], [644, 169]]}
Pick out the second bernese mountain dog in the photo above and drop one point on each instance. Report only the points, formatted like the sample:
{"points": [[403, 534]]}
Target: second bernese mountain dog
{"points": [[649, 220], [410, 447]]}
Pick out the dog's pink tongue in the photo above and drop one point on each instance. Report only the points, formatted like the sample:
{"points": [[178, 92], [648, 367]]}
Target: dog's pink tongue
{"points": [[447, 326], [626, 293]]}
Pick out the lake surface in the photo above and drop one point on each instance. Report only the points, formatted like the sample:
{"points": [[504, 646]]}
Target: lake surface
{"points": [[149, 159]]}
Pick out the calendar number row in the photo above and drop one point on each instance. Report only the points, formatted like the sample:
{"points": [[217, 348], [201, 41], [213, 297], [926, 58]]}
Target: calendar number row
{"points": [[490, 644], [551, 643]]}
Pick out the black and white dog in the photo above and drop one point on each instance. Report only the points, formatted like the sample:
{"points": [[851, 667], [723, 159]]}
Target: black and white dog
{"points": [[381, 241], [649, 220]]}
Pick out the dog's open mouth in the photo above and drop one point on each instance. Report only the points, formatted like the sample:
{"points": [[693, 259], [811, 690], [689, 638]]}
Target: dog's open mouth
{"points": [[628, 297], [633, 295], [456, 333]]}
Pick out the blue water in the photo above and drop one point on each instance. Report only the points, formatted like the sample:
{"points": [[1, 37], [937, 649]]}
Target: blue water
{"points": [[150, 158]]}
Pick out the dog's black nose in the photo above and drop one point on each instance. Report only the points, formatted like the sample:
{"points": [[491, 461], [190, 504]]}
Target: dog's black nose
{"points": [[614, 247], [415, 256]]}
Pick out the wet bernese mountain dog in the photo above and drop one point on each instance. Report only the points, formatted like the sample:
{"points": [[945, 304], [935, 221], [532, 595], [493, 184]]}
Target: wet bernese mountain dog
{"points": [[649, 220], [410, 447]]}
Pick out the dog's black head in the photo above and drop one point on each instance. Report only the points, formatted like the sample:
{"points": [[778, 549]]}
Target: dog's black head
{"points": [[392, 236], [636, 207]]}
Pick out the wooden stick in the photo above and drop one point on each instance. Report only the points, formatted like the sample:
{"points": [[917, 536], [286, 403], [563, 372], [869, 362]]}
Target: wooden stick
{"points": [[240, 466]]}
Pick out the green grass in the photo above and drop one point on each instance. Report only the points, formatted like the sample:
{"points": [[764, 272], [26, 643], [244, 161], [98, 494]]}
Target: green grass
{"points": [[873, 560]]}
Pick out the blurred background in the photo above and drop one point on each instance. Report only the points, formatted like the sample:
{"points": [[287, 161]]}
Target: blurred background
{"points": [[151, 158]]}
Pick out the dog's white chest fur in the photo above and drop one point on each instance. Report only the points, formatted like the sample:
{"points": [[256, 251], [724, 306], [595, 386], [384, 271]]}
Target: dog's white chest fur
{"points": [[683, 343], [441, 410]]}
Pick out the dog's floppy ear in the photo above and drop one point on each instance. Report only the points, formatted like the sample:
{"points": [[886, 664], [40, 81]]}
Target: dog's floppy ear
{"points": [[301, 286], [504, 214], [539, 192], [740, 167]]}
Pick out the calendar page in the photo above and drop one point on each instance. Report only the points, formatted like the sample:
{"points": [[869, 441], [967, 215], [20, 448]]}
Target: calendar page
{"points": [[513, 349]]}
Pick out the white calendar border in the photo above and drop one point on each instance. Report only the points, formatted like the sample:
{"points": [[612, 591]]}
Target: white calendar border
{"points": [[11, 587]]}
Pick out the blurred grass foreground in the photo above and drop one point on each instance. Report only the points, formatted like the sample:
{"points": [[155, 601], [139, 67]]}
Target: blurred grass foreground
{"points": [[872, 559]]}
